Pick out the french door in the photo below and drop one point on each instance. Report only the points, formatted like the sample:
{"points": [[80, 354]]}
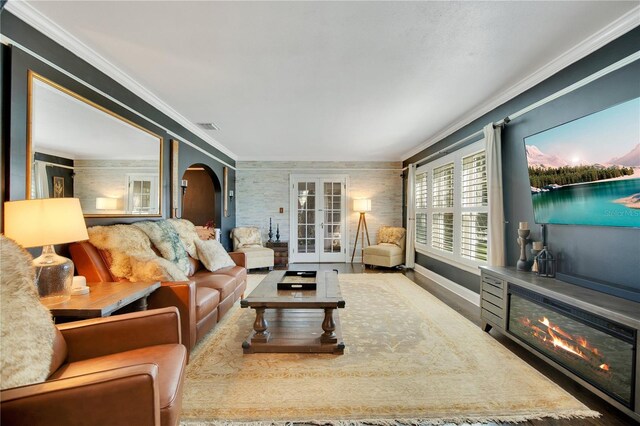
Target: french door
{"points": [[318, 218]]}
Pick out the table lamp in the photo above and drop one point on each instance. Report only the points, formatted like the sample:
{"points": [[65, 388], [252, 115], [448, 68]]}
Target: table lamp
{"points": [[45, 222], [362, 206], [106, 203]]}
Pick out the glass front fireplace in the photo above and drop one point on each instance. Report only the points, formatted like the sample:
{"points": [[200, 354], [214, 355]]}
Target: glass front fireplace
{"points": [[591, 347]]}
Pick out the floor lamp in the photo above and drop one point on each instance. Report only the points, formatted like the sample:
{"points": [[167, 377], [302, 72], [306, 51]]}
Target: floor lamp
{"points": [[361, 206]]}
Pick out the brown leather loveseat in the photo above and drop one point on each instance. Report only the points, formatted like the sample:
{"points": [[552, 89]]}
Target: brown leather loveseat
{"points": [[202, 301]]}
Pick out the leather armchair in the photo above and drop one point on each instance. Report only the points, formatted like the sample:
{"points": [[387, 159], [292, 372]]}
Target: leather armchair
{"points": [[126, 369]]}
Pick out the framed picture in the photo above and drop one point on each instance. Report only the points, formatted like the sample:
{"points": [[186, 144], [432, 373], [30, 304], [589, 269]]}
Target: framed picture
{"points": [[58, 187]]}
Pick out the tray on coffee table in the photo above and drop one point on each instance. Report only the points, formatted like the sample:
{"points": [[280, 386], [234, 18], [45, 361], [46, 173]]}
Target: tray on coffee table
{"points": [[298, 280]]}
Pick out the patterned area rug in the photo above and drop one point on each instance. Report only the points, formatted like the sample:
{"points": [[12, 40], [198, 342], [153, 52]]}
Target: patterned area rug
{"points": [[409, 359]]}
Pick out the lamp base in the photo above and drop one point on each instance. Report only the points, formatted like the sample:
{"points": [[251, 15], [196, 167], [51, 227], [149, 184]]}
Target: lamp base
{"points": [[54, 276]]}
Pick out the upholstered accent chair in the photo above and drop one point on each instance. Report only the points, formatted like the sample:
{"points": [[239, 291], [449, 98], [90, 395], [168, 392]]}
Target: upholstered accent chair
{"points": [[389, 251], [247, 240]]}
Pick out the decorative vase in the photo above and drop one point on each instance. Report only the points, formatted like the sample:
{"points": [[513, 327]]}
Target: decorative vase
{"points": [[277, 233]]}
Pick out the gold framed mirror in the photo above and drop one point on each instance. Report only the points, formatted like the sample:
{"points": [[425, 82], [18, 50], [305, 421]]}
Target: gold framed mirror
{"points": [[77, 148]]}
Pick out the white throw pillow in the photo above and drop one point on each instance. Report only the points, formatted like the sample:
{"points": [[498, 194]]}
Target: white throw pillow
{"points": [[212, 255], [27, 330]]}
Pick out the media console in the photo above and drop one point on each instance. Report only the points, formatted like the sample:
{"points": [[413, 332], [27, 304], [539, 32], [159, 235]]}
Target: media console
{"points": [[591, 337]]}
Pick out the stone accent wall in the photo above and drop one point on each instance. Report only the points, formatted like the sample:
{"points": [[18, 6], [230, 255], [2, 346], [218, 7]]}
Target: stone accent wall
{"points": [[262, 187], [107, 178]]}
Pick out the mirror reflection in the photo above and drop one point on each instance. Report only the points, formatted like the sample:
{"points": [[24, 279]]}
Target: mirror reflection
{"points": [[79, 149]]}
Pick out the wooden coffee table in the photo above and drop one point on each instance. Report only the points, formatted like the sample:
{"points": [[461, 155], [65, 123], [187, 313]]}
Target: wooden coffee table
{"points": [[295, 320]]}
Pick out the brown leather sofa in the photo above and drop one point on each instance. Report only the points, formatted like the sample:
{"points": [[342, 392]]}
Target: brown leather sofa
{"points": [[122, 370], [202, 301]]}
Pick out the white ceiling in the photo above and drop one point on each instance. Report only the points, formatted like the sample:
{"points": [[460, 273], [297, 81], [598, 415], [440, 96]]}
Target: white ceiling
{"points": [[356, 81]]}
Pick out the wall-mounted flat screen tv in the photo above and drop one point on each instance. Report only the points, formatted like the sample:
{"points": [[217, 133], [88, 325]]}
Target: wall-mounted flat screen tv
{"points": [[587, 171]]}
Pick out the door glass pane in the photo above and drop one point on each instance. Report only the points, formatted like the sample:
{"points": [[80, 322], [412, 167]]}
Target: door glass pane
{"points": [[332, 235], [306, 217]]}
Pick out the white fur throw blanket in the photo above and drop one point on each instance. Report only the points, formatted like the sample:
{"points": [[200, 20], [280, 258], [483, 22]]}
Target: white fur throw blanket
{"points": [[27, 331], [165, 238], [131, 254], [187, 233]]}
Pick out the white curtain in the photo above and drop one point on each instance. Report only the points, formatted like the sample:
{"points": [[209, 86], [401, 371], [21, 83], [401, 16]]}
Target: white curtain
{"points": [[410, 245], [496, 249], [40, 184]]}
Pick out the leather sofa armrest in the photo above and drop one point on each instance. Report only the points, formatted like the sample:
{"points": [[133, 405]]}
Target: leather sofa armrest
{"points": [[127, 395], [104, 336], [182, 295], [239, 258]]}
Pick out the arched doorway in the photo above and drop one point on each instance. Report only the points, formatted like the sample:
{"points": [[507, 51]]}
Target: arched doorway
{"points": [[201, 199]]}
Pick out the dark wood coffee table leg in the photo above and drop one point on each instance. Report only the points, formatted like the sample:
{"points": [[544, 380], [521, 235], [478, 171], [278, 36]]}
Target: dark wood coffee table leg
{"points": [[260, 326], [329, 327]]}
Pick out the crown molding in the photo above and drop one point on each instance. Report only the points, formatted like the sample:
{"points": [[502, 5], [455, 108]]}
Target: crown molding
{"points": [[620, 26], [27, 13]]}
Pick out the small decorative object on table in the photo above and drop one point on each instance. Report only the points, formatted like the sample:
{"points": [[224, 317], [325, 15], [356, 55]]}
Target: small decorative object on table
{"points": [[546, 263], [523, 240], [270, 231], [277, 233], [535, 249]]}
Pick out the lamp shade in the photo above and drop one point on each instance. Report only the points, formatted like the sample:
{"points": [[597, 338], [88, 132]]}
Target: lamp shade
{"points": [[34, 223], [363, 205], [105, 203]]}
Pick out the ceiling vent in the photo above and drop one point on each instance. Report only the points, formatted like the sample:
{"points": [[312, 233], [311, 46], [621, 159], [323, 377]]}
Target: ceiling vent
{"points": [[208, 126]]}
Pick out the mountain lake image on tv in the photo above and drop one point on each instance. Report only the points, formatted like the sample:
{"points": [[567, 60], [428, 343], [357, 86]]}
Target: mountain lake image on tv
{"points": [[587, 171]]}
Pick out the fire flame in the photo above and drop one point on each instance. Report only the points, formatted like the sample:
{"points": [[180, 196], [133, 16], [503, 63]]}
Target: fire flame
{"points": [[576, 345], [557, 341]]}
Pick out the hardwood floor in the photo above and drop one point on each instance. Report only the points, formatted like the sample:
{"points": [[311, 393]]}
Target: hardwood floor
{"points": [[611, 416]]}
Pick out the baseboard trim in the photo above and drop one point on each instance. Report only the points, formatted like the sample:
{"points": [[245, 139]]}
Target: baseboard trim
{"points": [[465, 293]]}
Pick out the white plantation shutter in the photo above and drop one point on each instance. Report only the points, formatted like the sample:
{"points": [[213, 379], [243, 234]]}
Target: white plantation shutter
{"points": [[443, 186], [442, 232], [421, 207], [474, 180], [474, 207], [442, 216]]}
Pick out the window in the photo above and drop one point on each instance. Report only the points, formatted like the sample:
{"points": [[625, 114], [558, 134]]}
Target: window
{"points": [[442, 208], [452, 222], [474, 207], [421, 207]]}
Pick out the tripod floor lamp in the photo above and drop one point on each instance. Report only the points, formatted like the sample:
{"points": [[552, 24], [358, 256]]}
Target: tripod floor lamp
{"points": [[361, 206]]}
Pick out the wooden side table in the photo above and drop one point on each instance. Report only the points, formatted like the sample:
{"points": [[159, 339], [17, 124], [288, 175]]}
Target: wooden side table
{"points": [[103, 300], [280, 252]]}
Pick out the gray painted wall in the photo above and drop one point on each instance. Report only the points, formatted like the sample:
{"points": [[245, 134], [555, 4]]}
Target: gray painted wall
{"points": [[607, 254]]}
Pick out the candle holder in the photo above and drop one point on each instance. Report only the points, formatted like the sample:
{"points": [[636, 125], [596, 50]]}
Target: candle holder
{"points": [[535, 252], [270, 231], [277, 233], [523, 240]]}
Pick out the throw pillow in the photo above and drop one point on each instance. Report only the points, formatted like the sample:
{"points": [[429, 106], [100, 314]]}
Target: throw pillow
{"points": [[187, 234], [246, 237], [165, 238], [212, 255], [26, 327], [391, 235], [155, 269]]}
